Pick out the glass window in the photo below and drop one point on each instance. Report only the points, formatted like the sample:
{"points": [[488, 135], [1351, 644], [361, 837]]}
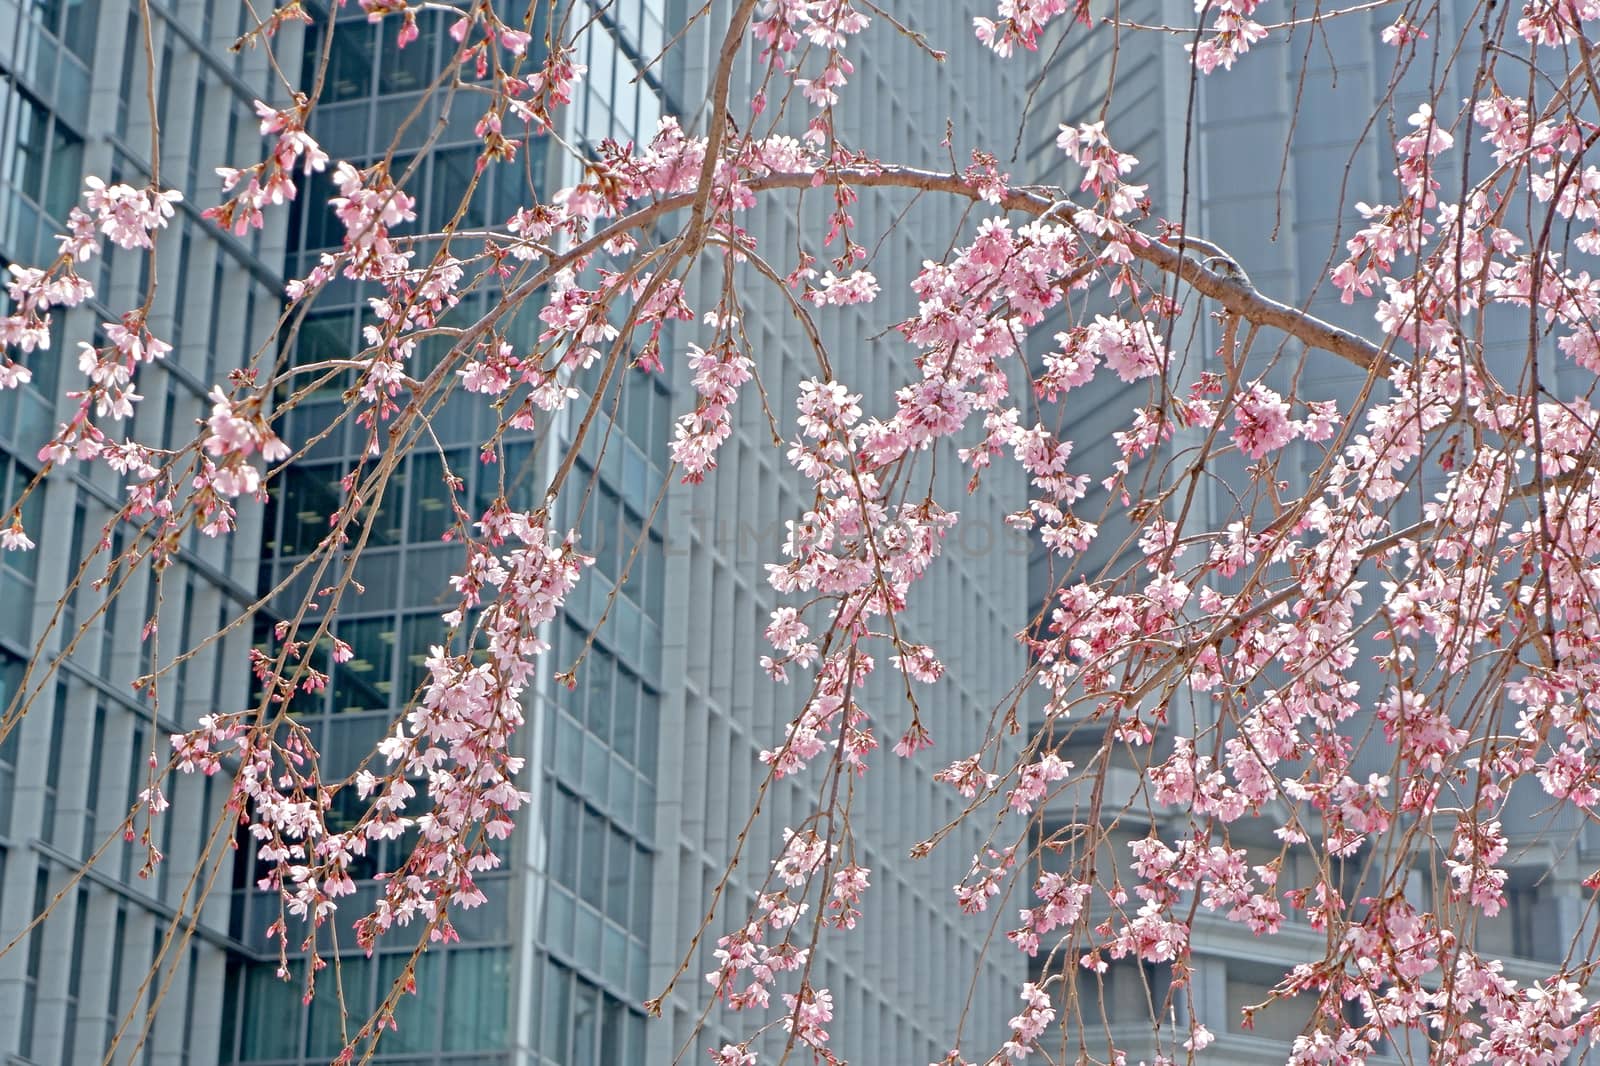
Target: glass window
{"points": [[640, 923], [598, 680], [602, 65], [29, 137], [585, 1025], [592, 848], [649, 108], [453, 172], [619, 876], [350, 64], [476, 989], [564, 829], [366, 681], [46, 12], [272, 1014], [522, 476], [66, 172], [636, 416], [416, 1016], [654, 583], [324, 335], [520, 183], [650, 37], [609, 550], [346, 741], [613, 1036], [408, 69], [649, 724], [431, 513], [625, 716], [418, 633], [557, 1026], [323, 228], [386, 513], [310, 495], [10, 677], [348, 978]]}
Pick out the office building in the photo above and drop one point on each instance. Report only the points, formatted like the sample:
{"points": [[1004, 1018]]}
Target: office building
{"points": [[1282, 150], [74, 92], [646, 771]]}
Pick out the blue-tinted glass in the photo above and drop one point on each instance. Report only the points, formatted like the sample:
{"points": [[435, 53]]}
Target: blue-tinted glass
{"points": [[640, 923], [66, 171], [323, 228], [367, 679], [271, 1015], [477, 987], [586, 1021], [309, 495], [431, 511], [388, 522], [82, 17], [619, 877], [408, 69], [592, 857], [598, 679], [614, 1034], [649, 726], [332, 1025], [350, 64], [415, 1016], [563, 842], [556, 1028], [625, 716], [453, 172]]}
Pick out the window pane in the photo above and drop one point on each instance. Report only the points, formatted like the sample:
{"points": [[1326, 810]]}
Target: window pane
{"points": [[557, 1027], [598, 682], [82, 18], [613, 1036], [641, 899], [416, 1016], [418, 633], [625, 717], [452, 177], [585, 1025], [649, 715], [367, 679], [66, 169], [431, 513], [330, 1026], [27, 163], [310, 495], [350, 65], [592, 848], [564, 831], [403, 70], [475, 999], [271, 1014], [619, 877]]}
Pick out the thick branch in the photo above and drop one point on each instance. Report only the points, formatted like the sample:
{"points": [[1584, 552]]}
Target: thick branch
{"points": [[1238, 297]]}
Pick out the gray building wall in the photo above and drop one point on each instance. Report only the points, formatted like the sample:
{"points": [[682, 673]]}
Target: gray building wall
{"points": [[72, 101], [646, 771], [642, 776], [1283, 146], [900, 980]]}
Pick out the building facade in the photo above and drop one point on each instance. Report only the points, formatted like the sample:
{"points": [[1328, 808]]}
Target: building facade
{"points": [[1283, 147], [75, 89], [643, 774], [646, 770]]}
